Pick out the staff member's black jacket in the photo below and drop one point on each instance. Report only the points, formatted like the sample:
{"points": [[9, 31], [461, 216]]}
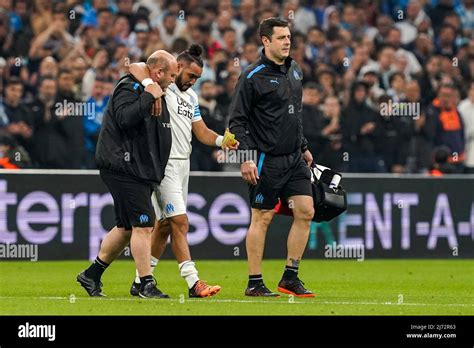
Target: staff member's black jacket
{"points": [[266, 110], [131, 141]]}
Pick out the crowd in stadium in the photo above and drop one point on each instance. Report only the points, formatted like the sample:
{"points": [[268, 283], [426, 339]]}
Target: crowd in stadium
{"points": [[59, 61]]}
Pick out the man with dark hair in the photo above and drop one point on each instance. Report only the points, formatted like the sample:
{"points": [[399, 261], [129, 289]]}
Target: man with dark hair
{"points": [[265, 115], [15, 118], [132, 152], [204, 157], [170, 198], [51, 141], [70, 120], [92, 123], [361, 132], [449, 128]]}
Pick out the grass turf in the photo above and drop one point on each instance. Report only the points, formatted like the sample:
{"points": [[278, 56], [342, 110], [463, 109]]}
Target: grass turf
{"points": [[343, 287]]}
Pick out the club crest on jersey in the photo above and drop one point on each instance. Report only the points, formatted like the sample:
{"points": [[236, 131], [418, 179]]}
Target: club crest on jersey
{"points": [[169, 208], [296, 75], [259, 199], [143, 219]]}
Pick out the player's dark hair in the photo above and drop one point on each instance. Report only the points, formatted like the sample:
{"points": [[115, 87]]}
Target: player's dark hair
{"points": [[14, 80], [267, 25], [203, 82], [313, 85], [446, 85], [192, 55], [104, 9], [394, 75], [45, 78], [64, 71]]}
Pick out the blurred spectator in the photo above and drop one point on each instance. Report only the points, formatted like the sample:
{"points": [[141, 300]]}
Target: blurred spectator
{"points": [[324, 136], [229, 39], [170, 29], [414, 16], [404, 49], [225, 20], [316, 47], [466, 109], [430, 79], [105, 19], [384, 23], [449, 130], [326, 78], [12, 156], [362, 133], [440, 162], [225, 97], [58, 142], [397, 87], [386, 57], [98, 65], [71, 122], [138, 40], [423, 48], [396, 132], [55, 40], [312, 115], [92, 123], [445, 45], [393, 38], [249, 54], [204, 157], [371, 78], [301, 17], [125, 8], [465, 12], [15, 118], [120, 29], [438, 13], [42, 15], [421, 143], [331, 18]]}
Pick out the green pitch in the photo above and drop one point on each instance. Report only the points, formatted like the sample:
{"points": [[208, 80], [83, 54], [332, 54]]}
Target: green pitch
{"points": [[371, 287]]}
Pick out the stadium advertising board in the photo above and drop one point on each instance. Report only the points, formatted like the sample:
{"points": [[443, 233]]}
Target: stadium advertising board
{"points": [[66, 215]]}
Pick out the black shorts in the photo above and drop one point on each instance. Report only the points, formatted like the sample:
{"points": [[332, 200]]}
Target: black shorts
{"points": [[280, 177], [132, 200]]}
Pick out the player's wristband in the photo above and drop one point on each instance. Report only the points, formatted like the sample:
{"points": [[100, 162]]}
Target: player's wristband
{"points": [[147, 82], [219, 140]]}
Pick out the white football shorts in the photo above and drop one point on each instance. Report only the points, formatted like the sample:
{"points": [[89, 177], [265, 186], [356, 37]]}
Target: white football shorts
{"points": [[170, 197]]}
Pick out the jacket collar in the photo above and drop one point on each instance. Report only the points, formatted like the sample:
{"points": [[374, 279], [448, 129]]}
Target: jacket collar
{"points": [[281, 68]]}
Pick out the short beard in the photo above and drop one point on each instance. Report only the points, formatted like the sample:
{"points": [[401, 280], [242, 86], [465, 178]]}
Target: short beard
{"points": [[179, 82], [45, 99]]}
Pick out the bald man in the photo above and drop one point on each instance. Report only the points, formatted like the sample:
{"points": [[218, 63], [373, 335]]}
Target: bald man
{"points": [[132, 152]]}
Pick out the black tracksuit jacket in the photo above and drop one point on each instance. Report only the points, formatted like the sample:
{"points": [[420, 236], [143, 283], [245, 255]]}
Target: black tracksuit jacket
{"points": [[266, 109], [131, 141]]}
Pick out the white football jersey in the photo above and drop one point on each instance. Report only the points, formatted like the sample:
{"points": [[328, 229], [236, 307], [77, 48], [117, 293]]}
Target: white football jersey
{"points": [[184, 110]]}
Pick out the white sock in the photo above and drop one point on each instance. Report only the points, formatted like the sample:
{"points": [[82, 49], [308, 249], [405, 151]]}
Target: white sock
{"points": [[189, 272], [153, 263]]}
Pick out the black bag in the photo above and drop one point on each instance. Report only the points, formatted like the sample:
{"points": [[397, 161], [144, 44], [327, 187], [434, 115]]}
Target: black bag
{"points": [[328, 202]]}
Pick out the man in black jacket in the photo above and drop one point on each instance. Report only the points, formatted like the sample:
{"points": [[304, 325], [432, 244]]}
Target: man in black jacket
{"points": [[265, 116], [132, 152]]}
